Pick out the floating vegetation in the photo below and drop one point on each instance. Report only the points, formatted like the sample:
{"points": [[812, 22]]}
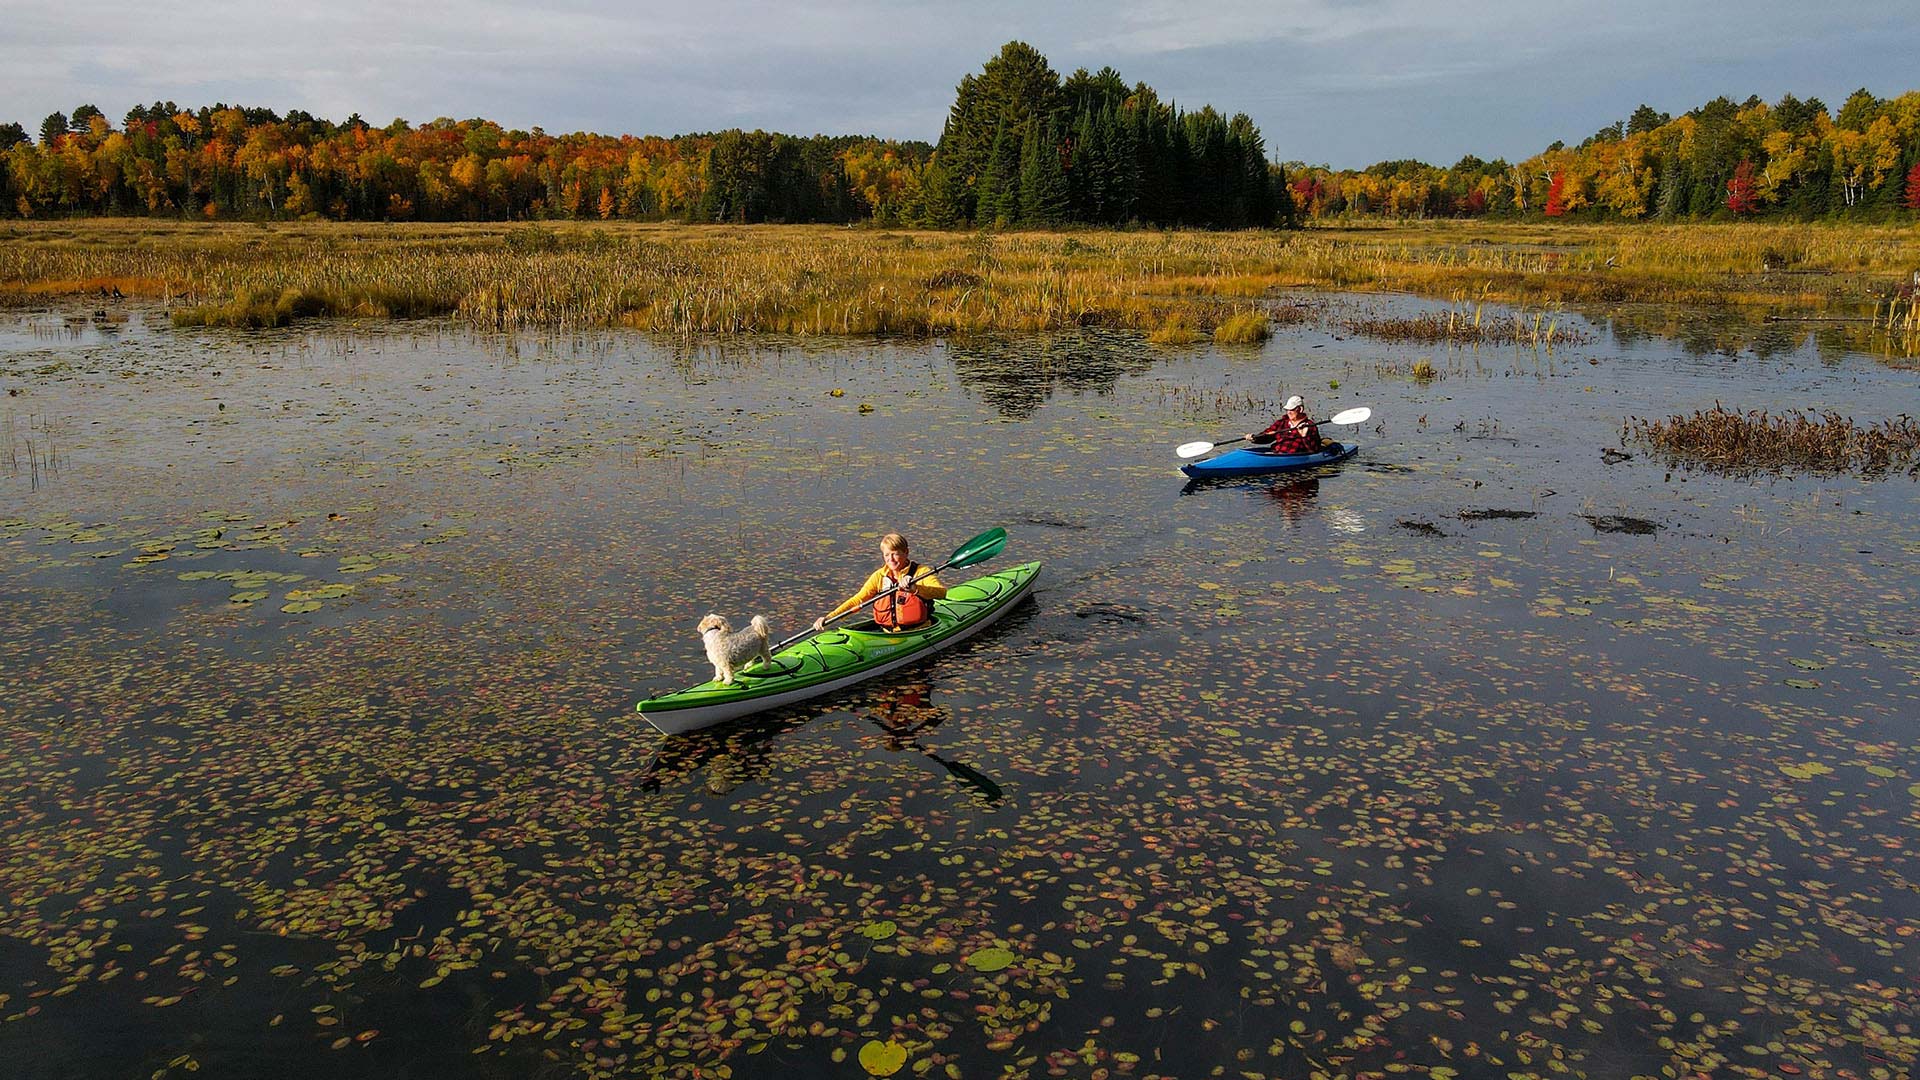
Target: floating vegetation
{"points": [[1541, 330], [1271, 781], [1762, 440], [1621, 523], [1497, 515]]}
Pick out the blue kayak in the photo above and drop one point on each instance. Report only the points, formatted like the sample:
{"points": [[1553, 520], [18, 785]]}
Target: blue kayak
{"points": [[1250, 462]]}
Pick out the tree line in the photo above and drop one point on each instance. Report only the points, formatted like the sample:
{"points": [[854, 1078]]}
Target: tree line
{"points": [[1020, 148], [229, 161], [1723, 160]]}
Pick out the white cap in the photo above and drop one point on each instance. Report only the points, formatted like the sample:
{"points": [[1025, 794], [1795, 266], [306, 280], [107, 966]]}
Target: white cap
{"points": [[1295, 402]]}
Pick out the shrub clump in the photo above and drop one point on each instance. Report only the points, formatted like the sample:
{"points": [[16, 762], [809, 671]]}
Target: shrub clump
{"points": [[1766, 441], [1246, 328]]}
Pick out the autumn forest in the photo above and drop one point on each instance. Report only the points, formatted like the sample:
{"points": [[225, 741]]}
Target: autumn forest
{"points": [[1021, 147]]}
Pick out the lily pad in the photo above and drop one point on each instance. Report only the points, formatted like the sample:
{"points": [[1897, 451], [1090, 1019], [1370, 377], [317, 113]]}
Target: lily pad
{"points": [[991, 958], [882, 1058]]}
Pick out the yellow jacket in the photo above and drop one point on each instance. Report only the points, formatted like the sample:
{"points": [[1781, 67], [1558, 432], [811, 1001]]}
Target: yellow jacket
{"points": [[928, 586]]}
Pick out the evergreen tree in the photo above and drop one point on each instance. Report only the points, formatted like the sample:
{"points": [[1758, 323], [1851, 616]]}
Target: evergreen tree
{"points": [[54, 126], [1671, 198], [1122, 166], [998, 192], [1043, 182], [1860, 110], [941, 196], [1645, 119], [11, 135], [82, 118], [1011, 90]]}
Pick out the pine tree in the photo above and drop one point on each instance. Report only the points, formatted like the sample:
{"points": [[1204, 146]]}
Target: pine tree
{"points": [[1043, 183], [939, 199], [998, 192]]}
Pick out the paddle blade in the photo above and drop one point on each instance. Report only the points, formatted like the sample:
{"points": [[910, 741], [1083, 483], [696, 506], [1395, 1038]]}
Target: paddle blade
{"points": [[1352, 416], [1193, 449], [980, 548]]}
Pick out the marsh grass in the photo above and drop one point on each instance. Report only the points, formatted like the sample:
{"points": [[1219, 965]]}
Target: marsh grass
{"points": [[1538, 329], [1245, 328], [823, 280], [1759, 440], [1175, 330]]}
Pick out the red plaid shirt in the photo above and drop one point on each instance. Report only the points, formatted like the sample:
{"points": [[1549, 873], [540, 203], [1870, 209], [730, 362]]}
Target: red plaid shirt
{"points": [[1287, 440]]}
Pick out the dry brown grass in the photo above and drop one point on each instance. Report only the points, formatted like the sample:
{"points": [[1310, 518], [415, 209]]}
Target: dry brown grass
{"points": [[1763, 441], [828, 280]]}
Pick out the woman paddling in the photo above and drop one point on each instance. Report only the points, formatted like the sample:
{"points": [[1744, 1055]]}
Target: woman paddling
{"points": [[1294, 433]]}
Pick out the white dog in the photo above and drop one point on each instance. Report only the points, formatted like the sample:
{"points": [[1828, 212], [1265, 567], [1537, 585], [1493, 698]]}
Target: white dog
{"points": [[731, 650]]}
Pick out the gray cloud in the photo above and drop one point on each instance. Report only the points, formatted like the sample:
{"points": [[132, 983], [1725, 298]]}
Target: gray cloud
{"points": [[1342, 81]]}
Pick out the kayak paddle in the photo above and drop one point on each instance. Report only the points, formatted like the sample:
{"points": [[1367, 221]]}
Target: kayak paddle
{"points": [[977, 550], [1195, 449]]}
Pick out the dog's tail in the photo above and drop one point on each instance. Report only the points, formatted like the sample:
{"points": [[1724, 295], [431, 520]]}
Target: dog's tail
{"points": [[760, 626]]}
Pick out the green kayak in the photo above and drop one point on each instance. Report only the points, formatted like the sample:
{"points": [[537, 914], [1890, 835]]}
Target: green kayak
{"points": [[838, 658]]}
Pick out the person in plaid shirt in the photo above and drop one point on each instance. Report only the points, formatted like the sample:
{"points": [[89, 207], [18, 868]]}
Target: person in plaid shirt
{"points": [[1293, 433]]}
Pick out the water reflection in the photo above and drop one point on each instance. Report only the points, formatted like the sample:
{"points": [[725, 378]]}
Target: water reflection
{"points": [[1764, 335], [905, 712], [1295, 495], [730, 755], [1295, 499], [1016, 377]]}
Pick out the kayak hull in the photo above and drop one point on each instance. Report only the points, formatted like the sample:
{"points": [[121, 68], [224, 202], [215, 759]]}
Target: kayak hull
{"points": [[1245, 462], [838, 658]]}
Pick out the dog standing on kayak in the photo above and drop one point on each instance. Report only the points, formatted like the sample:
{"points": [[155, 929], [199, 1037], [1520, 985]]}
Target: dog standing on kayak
{"points": [[731, 650]]}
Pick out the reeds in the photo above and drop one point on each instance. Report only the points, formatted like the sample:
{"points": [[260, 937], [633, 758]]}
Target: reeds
{"points": [[1759, 440], [1538, 329], [1245, 328], [823, 280], [1175, 330]]}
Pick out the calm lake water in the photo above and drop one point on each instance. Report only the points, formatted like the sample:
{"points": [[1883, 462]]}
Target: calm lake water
{"points": [[1488, 753]]}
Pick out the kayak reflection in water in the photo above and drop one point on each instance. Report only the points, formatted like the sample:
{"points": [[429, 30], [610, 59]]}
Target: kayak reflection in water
{"points": [[903, 712], [1296, 498], [727, 761]]}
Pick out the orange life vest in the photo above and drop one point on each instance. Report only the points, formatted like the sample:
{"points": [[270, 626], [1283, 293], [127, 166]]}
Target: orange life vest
{"points": [[903, 608]]}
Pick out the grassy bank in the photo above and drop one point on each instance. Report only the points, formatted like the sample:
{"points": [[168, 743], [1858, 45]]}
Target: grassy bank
{"points": [[827, 280]]}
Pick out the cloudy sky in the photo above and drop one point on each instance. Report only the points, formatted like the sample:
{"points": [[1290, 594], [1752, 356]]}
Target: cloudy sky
{"points": [[1345, 82]]}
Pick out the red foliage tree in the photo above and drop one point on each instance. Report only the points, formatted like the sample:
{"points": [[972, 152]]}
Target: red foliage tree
{"points": [[1912, 199], [1475, 203], [1743, 195], [1556, 195], [1306, 193]]}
